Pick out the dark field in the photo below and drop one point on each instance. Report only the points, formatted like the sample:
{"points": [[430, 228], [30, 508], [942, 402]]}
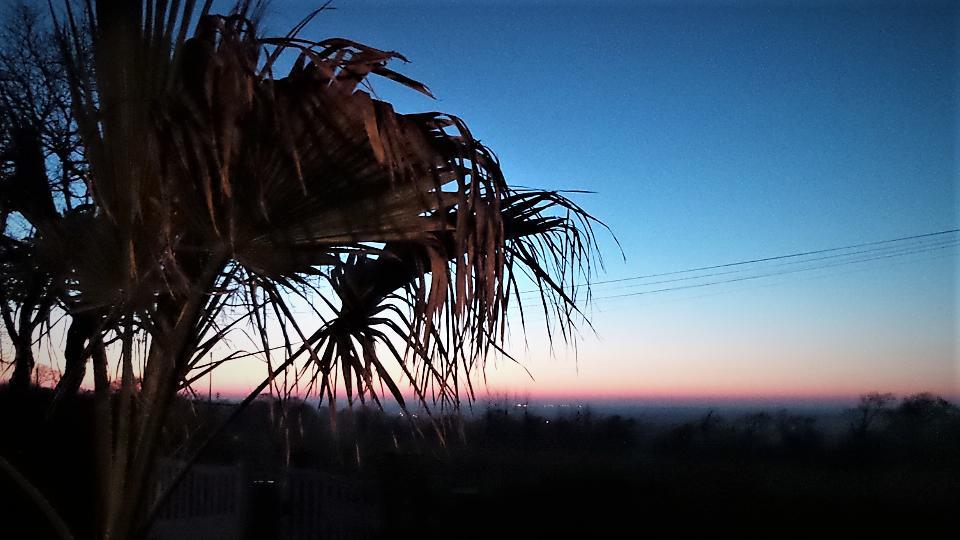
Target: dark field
{"points": [[508, 472]]}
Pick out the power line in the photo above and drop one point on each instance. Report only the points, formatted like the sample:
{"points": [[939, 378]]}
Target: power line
{"points": [[780, 273], [767, 259], [889, 250], [774, 284]]}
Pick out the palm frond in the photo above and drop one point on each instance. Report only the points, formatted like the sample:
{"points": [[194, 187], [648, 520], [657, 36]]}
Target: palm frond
{"points": [[218, 187]]}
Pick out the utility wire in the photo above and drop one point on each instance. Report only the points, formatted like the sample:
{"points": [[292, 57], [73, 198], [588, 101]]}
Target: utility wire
{"points": [[613, 308], [767, 259], [780, 273], [890, 250]]}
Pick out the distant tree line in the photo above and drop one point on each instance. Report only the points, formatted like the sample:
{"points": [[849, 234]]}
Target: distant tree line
{"points": [[922, 425], [502, 447]]}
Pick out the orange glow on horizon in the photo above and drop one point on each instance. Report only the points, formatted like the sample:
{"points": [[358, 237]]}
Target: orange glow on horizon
{"points": [[654, 394]]}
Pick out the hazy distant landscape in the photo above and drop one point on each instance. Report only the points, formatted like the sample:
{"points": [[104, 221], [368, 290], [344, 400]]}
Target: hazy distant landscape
{"points": [[866, 467]]}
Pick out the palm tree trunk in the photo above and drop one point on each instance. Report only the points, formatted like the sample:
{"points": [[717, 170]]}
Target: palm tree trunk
{"points": [[135, 451]]}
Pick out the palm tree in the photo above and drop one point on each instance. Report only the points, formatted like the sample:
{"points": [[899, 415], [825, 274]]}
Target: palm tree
{"points": [[220, 189]]}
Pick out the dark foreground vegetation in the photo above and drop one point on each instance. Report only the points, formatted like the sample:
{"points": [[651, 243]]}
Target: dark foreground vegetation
{"points": [[506, 472], [172, 178]]}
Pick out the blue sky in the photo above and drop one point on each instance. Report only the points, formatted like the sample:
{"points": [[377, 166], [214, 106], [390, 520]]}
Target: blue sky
{"points": [[714, 132]]}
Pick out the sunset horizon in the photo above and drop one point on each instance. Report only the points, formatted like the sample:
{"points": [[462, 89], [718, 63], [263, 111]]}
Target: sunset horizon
{"points": [[394, 269]]}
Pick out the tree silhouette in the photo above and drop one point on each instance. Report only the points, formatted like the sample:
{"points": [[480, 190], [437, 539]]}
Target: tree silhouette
{"points": [[219, 191], [41, 173], [871, 407]]}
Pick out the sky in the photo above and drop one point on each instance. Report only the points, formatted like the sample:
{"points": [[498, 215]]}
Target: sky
{"points": [[711, 133]]}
